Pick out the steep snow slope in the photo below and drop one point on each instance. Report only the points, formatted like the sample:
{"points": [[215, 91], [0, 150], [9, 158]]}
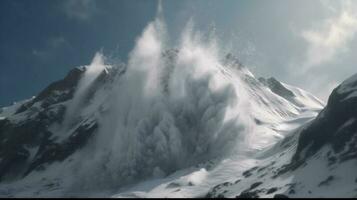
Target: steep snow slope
{"points": [[316, 160], [254, 173]]}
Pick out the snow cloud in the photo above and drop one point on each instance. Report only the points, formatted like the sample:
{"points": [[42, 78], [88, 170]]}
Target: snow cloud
{"points": [[331, 38], [169, 110]]}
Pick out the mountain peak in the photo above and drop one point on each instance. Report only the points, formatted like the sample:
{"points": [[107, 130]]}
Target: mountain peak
{"points": [[277, 87], [233, 61]]}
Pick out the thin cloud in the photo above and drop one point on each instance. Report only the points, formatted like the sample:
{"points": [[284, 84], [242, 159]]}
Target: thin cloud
{"points": [[330, 39], [80, 9], [51, 47], [57, 42]]}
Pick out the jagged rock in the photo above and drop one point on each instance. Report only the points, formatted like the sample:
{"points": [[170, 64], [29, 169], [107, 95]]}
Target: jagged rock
{"points": [[277, 87], [326, 181], [280, 196], [272, 190], [254, 185], [253, 194], [58, 91], [249, 172], [335, 125]]}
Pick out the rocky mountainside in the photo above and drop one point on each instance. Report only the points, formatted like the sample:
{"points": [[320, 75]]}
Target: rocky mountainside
{"points": [[316, 160], [335, 126]]}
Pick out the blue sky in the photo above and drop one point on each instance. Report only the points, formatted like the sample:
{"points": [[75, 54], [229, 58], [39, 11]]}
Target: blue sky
{"points": [[310, 44]]}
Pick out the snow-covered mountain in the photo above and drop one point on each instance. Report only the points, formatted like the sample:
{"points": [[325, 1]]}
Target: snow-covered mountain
{"points": [[185, 122], [65, 139]]}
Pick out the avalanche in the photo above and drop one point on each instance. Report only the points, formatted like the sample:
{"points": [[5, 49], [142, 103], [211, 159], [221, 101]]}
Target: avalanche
{"points": [[168, 123]]}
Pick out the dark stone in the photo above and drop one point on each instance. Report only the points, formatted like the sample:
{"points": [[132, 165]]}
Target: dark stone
{"points": [[214, 191], [50, 151], [48, 95], [276, 87], [173, 185], [32, 132], [280, 196], [330, 127], [254, 185], [247, 194], [226, 183], [68, 82], [332, 160], [262, 175], [257, 121], [262, 168], [326, 181], [249, 172], [246, 174], [272, 190]]}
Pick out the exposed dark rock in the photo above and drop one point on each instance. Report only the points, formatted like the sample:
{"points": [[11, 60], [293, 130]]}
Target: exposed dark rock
{"points": [[247, 194], [276, 87], [14, 138], [262, 168], [33, 133], [50, 151], [246, 174], [237, 181], [70, 81], [262, 175], [326, 181], [257, 121], [292, 191], [335, 125], [214, 191], [249, 172], [254, 185], [272, 190], [332, 160], [58, 91], [280, 196], [173, 185], [233, 61]]}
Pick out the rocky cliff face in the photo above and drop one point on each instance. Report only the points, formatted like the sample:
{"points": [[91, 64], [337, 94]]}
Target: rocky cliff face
{"points": [[335, 126], [26, 141]]}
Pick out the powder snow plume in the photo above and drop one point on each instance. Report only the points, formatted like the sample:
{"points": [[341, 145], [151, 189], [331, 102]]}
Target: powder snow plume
{"points": [[169, 110]]}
